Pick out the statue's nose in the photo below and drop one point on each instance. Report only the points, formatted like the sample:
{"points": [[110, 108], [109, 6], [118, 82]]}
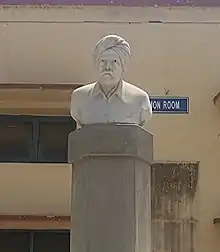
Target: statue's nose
{"points": [[107, 65]]}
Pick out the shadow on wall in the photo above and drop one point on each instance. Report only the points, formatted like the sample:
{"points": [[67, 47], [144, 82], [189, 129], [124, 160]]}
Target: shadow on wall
{"points": [[173, 191]]}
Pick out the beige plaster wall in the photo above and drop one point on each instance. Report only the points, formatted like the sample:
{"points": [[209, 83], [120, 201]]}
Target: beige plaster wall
{"points": [[180, 56]]}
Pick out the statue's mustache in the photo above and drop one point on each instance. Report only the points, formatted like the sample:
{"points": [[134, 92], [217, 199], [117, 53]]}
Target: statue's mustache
{"points": [[107, 71]]}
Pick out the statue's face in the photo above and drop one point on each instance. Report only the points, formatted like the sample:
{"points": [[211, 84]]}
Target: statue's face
{"points": [[109, 68]]}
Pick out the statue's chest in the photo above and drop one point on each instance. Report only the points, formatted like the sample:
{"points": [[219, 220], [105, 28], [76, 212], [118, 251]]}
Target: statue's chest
{"points": [[113, 110]]}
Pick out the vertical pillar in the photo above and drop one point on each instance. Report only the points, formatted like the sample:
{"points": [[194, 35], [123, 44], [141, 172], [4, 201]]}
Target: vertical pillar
{"points": [[111, 198]]}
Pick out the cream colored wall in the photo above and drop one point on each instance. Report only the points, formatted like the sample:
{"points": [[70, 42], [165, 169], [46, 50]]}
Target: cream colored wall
{"points": [[35, 189], [54, 45]]}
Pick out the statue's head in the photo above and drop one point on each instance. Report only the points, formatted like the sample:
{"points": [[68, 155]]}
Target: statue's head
{"points": [[110, 55]]}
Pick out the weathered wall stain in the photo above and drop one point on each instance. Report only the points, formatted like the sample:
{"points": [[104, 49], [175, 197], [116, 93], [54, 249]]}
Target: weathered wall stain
{"points": [[173, 192]]}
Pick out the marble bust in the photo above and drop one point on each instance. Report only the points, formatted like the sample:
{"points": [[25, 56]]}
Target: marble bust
{"points": [[110, 99]]}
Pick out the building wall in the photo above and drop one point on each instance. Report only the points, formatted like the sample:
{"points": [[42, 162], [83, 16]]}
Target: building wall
{"points": [[177, 57], [200, 3]]}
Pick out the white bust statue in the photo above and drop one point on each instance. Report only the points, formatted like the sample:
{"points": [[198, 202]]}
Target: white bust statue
{"points": [[110, 99]]}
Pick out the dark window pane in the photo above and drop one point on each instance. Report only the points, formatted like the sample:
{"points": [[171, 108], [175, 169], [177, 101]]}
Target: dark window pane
{"points": [[51, 241], [53, 141], [14, 241], [15, 140]]}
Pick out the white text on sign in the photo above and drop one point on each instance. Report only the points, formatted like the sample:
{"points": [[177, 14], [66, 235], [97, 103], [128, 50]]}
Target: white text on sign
{"points": [[171, 105]]}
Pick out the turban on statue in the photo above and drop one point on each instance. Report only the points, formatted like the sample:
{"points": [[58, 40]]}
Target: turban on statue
{"points": [[115, 43]]}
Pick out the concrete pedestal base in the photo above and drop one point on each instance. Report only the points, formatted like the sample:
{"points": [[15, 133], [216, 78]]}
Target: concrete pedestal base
{"points": [[111, 200]]}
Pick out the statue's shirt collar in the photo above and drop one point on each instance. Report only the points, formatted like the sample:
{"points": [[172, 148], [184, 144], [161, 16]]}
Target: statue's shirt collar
{"points": [[118, 91]]}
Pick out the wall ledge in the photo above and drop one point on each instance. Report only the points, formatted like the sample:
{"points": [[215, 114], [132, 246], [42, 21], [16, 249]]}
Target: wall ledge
{"points": [[50, 86], [34, 222]]}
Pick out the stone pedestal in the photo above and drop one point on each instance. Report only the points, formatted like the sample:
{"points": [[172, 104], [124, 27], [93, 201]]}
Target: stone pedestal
{"points": [[111, 199]]}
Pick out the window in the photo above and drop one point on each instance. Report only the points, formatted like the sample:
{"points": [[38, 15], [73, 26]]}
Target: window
{"points": [[34, 138], [51, 241], [14, 241], [34, 241], [53, 141], [15, 140]]}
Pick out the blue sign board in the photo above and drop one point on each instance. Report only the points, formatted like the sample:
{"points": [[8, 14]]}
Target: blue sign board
{"points": [[170, 105]]}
